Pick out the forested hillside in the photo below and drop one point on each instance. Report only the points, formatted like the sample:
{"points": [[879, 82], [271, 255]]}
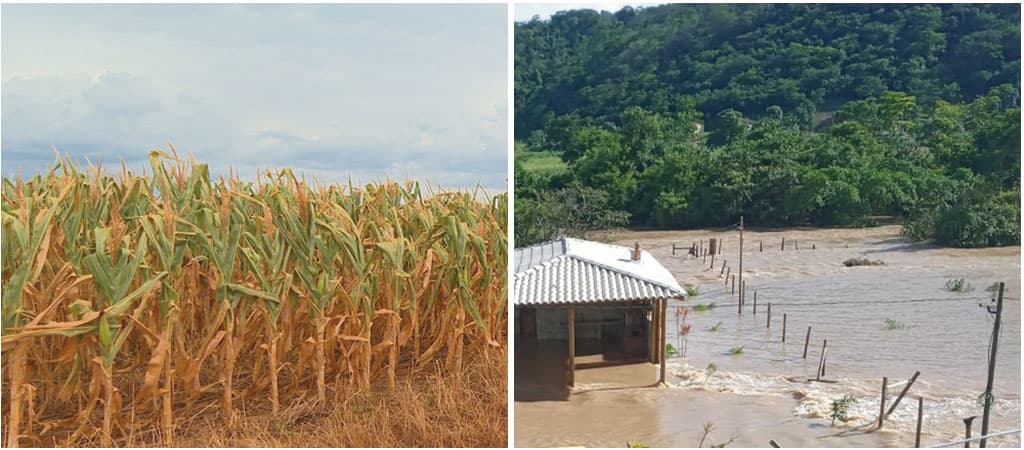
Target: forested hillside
{"points": [[690, 115]]}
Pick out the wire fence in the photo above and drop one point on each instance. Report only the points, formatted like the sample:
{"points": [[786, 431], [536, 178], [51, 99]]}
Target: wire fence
{"points": [[852, 302], [972, 439]]}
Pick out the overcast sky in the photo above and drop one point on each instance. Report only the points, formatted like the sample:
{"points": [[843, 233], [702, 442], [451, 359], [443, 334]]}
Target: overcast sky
{"points": [[331, 90], [525, 11]]}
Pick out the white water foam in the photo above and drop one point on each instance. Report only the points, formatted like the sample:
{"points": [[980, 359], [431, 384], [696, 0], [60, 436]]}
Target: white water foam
{"points": [[942, 420]]}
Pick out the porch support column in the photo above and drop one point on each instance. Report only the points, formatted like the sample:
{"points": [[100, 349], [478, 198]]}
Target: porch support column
{"points": [[572, 345], [662, 328], [652, 334]]}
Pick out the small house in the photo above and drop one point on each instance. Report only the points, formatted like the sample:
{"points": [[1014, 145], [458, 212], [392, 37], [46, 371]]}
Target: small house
{"points": [[581, 304]]}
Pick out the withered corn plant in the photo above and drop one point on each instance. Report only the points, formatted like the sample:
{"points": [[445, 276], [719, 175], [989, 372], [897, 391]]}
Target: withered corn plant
{"points": [[155, 296]]}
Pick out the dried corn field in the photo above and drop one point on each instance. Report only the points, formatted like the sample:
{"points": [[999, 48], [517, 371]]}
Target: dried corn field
{"points": [[131, 303]]}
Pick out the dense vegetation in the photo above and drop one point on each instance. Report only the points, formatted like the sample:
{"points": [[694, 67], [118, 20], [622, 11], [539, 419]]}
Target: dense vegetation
{"points": [[690, 115]]}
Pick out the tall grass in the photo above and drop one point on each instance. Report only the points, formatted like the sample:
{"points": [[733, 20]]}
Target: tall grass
{"points": [[156, 296]]}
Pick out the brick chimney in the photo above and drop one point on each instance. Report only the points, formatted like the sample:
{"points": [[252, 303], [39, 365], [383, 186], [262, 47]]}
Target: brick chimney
{"points": [[636, 251]]}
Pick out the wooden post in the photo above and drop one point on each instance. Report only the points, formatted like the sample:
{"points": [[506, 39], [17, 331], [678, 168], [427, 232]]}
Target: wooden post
{"points": [[720, 272], [761, 246], [881, 401], [783, 243], [967, 433], [821, 361], [797, 244], [739, 303], [755, 303], [700, 247], [713, 246], [734, 285], [991, 367], [824, 361], [920, 418], [768, 324], [741, 265], [783, 327], [652, 335], [662, 350], [656, 333], [572, 345], [721, 247], [712, 260], [902, 393], [807, 340], [705, 257]]}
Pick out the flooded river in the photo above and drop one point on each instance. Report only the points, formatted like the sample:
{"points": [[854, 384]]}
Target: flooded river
{"points": [[880, 321]]}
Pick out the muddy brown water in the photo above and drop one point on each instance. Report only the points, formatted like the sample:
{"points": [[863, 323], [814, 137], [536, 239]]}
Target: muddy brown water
{"points": [[880, 321]]}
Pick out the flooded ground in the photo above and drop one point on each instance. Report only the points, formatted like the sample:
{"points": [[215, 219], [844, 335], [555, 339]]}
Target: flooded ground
{"points": [[880, 321]]}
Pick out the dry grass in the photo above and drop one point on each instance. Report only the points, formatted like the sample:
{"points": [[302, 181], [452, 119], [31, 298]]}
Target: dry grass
{"points": [[136, 307], [435, 410]]}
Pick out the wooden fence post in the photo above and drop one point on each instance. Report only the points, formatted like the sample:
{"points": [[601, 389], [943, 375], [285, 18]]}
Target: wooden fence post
{"points": [[881, 411], [824, 361], [739, 307], [783, 327], [760, 246], [967, 435], [902, 393], [724, 262], [768, 324], [807, 340], [712, 260], [821, 361], [755, 303], [783, 243], [920, 418]]}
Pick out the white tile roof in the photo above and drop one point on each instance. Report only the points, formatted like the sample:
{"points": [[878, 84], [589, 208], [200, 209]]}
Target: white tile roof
{"points": [[577, 271]]}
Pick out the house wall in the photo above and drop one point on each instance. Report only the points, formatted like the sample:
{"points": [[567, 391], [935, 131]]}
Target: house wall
{"points": [[592, 323]]}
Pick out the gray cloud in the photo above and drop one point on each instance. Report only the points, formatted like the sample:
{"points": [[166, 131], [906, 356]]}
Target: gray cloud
{"points": [[332, 90]]}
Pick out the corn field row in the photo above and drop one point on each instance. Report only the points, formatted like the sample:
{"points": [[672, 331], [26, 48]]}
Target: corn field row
{"points": [[151, 297]]}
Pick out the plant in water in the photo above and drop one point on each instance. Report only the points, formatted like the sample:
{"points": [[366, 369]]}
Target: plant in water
{"points": [[670, 351], [708, 428], [959, 285], [894, 324], [692, 291], [637, 444], [700, 307], [715, 327], [840, 408], [709, 371], [737, 350], [683, 327]]}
